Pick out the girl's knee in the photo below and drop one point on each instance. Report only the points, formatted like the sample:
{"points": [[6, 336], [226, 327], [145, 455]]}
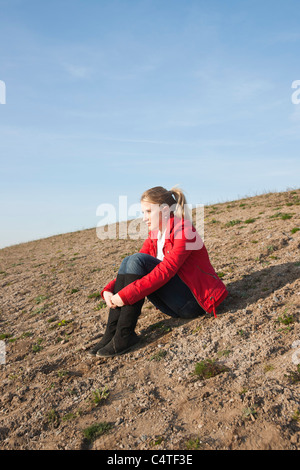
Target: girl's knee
{"points": [[123, 265], [134, 263], [138, 263]]}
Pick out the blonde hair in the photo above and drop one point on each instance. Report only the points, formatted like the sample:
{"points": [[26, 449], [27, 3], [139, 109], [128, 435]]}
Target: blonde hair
{"points": [[173, 198]]}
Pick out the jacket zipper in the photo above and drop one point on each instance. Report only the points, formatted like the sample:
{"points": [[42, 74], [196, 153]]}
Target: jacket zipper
{"points": [[209, 274]]}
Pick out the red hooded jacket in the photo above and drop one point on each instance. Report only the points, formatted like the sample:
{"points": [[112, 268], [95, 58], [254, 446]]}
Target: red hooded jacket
{"points": [[185, 255]]}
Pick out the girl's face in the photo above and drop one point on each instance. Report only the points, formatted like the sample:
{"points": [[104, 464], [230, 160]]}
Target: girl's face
{"points": [[153, 216]]}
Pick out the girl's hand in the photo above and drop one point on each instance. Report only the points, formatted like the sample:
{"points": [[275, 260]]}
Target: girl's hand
{"points": [[117, 301], [107, 297]]}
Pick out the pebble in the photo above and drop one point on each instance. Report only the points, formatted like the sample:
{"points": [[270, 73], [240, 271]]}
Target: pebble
{"points": [[296, 357], [296, 354]]}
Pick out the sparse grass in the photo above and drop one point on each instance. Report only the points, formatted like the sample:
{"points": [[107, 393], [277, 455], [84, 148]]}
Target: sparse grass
{"points": [[285, 319], [53, 417], [96, 430], [296, 416], [70, 416], [208, 368], [293, 376], [160, 326], [281, 215], [231, 223], [101, 305], [295, 229], [63, 373], [5, 336], [156, 441], [158, 356], [40, 298], [73, 291], [39, 310], [193, 444], [268, 368], [224, 353], [27, 334], [37, 346], [94, 295]]}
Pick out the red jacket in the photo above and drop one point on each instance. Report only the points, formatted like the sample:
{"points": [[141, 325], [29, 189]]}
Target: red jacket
{"points": [[185, 255]]}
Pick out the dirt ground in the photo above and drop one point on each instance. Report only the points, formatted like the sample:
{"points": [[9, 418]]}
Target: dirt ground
{"points": [[53, 392]]}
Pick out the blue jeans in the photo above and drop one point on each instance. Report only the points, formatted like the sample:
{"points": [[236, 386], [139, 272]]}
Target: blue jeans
{"points": [[174, 298]]}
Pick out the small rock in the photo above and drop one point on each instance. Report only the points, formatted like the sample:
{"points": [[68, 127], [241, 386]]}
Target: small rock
{"points": [[296, 357], [120, 420]]}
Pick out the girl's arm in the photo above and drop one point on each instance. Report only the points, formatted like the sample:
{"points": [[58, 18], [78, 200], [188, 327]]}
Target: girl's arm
{"points": [[110, 286], [184, 237]]}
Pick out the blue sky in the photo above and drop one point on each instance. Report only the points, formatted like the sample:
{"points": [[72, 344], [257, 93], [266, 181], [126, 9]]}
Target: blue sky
{"points": [[111, 97]]}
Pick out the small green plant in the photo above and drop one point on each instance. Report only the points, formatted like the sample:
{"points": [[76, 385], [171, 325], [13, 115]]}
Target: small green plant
{"points": [[293, 376], [41, 298], [281, 215], [224, 353], [70, 416], [62, 373], [53, 418], [5, 336], [193, 444], [208, 368], [39, 310], [94, 431], [27, 334], [64, 322], [73, 291], [250, 221], [37, 346], [156, 441], [296, 416], [268, 368], [94, 295], [231, 223], [285, 319], [295, 229], [160, 326], [101, 305], [100, 395], [250, 412]]}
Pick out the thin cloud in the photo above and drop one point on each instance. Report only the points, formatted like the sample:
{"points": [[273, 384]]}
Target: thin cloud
{"points": [[78, 71]]}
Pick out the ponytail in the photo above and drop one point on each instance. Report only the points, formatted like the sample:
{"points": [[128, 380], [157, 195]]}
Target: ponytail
{"points": [[174, 198]]}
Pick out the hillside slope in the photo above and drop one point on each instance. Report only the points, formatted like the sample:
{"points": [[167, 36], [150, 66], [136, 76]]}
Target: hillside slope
{"points": [[51, 391]]}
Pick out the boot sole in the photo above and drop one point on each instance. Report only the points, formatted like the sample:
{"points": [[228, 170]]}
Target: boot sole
{"points": [[105, 354]]}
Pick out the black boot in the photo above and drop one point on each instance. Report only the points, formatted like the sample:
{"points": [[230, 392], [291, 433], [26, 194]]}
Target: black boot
{"points": [[125, 337], [113, 317]]}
